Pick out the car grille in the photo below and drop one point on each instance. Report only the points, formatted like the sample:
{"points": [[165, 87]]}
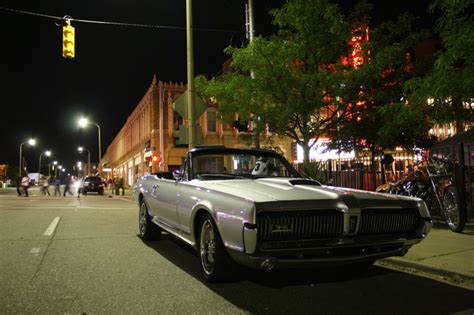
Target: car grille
{"points": [[297, 225], [387, 221]]}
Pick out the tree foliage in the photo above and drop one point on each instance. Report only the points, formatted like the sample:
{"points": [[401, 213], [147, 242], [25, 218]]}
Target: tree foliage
{"points": [[449, 84], [295, 74], [381, 118], [297, 84]]}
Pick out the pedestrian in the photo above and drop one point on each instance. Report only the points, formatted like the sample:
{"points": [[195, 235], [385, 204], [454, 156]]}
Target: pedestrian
{"points": [[67, 186], [112, 185], [45, 185], [25, 183], [18, 186], [79, 189], [57, 185]]}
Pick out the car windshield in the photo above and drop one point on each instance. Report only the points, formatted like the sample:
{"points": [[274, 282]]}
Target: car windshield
{"points": [[95, 180], [229, 165]]}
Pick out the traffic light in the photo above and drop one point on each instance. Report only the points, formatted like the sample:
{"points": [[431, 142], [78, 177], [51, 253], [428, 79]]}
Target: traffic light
{"points": [[68, 40], [155, 158]]}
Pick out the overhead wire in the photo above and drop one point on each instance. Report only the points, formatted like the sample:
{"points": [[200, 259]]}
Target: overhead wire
{"points": [[165, 27]]}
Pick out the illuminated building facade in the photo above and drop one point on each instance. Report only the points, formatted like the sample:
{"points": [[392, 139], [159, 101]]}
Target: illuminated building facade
{"points": [[152, 129]]}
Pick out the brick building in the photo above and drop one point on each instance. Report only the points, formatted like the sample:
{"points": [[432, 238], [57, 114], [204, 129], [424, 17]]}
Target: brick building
{"points": [[153, 127]]}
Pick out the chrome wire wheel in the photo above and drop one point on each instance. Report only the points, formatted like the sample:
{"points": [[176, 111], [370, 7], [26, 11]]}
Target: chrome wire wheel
{"points": [[207, 246], [146, 228], [142, 219], [454, 218], [450, 205]]}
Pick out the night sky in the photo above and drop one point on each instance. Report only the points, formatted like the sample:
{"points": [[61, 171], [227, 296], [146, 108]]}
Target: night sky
{"points": [[113, 67]]}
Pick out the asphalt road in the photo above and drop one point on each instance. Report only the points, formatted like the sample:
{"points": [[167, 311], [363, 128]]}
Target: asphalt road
{"points": [[83, 256]]}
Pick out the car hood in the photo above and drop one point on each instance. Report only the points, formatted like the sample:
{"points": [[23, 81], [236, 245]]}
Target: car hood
{"points": [[287, 189]]}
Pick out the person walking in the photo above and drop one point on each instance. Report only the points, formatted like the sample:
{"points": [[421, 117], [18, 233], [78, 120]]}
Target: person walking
{"points": [[25, 183], [57, 185], [18, 186], [79, 189], [45, 186], [67, 186], [112, 185]]}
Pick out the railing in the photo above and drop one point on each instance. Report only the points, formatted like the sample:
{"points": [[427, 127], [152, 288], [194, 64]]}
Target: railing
{"points": [[359, 173]]}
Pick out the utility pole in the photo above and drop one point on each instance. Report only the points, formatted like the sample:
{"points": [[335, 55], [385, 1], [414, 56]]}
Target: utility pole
{"points": [[250, 34], [249, 21], [162, 137], [190, 59]]}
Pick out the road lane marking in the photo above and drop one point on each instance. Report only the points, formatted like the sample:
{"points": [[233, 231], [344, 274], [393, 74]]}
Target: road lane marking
{"points": [[35, 251], [50, 230]]}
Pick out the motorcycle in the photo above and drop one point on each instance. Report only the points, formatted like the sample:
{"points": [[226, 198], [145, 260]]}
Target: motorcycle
{"points": [[433, 181]]}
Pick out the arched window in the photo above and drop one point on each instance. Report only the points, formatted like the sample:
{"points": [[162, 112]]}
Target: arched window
{"points": [[211, 120]]}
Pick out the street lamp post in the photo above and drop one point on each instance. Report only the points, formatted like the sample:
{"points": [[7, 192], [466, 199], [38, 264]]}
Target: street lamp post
{"points": [[47, 153], [59, 169], [82, 123], [55, 166], [190, 73], [79, 168], [80, 149], [31, 142]]}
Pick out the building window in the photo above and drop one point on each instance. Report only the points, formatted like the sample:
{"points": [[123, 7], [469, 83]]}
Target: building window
{"points": [[177, 120], [211, 119]]}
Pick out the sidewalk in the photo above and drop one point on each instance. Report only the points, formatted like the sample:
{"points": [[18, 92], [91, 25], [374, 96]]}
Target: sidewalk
{"points": [[127, 194], [444, 254]]}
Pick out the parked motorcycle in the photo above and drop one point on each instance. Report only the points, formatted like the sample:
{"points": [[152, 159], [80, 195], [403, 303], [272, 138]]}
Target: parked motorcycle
{"points": [[433, 181]]}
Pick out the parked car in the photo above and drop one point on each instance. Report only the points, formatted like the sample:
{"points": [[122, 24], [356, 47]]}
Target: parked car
{"points": [[92, 184], [251, 207]]}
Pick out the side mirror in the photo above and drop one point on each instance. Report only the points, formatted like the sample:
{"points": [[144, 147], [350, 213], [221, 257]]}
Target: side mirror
{"points": [[177, 175]]}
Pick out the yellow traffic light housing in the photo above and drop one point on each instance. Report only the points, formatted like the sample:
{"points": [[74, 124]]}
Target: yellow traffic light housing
{"points": [[68, 40]]}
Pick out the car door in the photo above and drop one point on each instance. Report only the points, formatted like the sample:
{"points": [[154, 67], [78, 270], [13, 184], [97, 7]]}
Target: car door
{"points": [[163, 201], [188, 197]]}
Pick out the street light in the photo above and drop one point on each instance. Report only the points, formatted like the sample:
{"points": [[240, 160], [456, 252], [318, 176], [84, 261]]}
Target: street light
{"points": [[55, 167], [47, 153], [82, 123], [31, 142], [80, 149], [79, 168]]}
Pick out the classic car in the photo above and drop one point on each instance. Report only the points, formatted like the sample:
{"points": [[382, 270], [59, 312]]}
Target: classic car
{"points": [[251, 207]]}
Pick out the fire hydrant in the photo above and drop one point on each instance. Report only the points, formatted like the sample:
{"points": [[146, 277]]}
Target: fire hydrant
{"points": [[121, 191]]}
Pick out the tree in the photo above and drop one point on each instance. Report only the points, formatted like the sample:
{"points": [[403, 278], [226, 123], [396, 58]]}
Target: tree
{"points": [[296, 74], [380, 117], [448, 86]]}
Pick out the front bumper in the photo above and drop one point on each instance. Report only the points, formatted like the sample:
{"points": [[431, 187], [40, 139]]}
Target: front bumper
{"points": [[322, 256], [326, 252]]}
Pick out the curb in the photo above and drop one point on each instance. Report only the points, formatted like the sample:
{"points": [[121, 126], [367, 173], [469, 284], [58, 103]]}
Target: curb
{"points": [[457, 277], [122, 197]]}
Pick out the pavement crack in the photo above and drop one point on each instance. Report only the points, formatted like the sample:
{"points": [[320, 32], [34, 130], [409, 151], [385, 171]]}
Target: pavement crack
{"points": [[446, 254], [40, 264]]}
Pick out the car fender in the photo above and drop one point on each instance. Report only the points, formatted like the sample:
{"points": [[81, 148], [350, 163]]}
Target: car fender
{"points": [[229, 224], [196, 213]]}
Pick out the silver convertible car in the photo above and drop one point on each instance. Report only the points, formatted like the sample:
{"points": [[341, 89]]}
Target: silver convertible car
{"points": [[251, 207]]}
